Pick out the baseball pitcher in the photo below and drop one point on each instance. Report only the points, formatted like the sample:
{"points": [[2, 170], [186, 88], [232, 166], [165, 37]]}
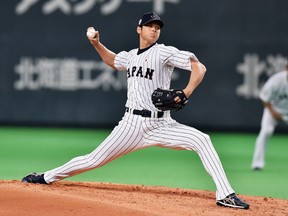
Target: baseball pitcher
{"points": [[147, 121]]}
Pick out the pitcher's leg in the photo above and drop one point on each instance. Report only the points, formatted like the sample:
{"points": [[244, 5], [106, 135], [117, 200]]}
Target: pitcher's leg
{"points": [[203, 146], [179, 136], [216, 171], [121, 141]]}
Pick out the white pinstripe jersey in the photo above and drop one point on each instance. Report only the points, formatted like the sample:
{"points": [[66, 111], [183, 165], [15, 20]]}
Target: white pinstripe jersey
{"points": [[149, 70], [275, 91]]}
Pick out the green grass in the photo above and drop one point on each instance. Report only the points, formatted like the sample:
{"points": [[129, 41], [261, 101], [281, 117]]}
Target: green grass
{"points": [[23, 150]]}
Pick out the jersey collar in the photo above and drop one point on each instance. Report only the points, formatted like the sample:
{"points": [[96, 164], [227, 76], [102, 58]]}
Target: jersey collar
{"points": [[143, 50]]}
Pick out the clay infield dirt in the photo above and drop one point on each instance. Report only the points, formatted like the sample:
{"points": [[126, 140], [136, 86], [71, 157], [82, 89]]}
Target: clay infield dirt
{"points": [[103, 199]]}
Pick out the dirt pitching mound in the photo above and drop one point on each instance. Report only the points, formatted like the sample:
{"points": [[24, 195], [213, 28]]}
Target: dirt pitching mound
{"points": [[78, 198]]}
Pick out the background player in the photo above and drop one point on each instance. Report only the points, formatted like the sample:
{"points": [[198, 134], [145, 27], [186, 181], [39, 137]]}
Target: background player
{"points": [[274, 95], [149, 67]]}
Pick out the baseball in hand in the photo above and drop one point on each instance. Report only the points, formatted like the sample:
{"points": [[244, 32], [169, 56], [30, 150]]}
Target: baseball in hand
{"points": [[90, 32]]}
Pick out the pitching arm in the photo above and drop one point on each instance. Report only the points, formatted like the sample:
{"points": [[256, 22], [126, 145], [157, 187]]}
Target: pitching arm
{"points": [[107, 55]]}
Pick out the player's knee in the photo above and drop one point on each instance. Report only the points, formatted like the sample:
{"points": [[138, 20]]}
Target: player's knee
{"points": [[200, 139], [206, 137]]}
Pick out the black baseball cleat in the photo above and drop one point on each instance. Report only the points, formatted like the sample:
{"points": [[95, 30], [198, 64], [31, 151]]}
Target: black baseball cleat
{"points": [[233, 201], [35, 178]]}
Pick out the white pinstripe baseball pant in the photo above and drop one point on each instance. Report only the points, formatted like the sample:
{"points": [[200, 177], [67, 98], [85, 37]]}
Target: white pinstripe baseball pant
{"points": [[135, 132]]}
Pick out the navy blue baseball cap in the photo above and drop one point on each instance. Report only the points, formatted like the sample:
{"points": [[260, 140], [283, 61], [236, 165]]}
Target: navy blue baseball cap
{"points": [[150, 17]]}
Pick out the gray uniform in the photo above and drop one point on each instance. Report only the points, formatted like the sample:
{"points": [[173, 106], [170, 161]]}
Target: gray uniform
{"points": [[275, 91]]}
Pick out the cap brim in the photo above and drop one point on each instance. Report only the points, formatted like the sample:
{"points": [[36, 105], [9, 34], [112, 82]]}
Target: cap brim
{"points": [[156, 21]]}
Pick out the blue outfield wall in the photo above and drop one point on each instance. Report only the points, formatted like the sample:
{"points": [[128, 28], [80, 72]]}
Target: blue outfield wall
{"points": [[51, 75]]}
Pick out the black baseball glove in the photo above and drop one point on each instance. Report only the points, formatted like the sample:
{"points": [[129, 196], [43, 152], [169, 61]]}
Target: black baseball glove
{"points": [[164, 99]]}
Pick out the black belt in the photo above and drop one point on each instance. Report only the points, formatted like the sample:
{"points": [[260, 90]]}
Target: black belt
{"points": [[144, 113]]}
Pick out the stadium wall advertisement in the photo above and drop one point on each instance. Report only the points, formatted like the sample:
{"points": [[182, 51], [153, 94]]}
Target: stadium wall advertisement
{"points": [[51, 75]]}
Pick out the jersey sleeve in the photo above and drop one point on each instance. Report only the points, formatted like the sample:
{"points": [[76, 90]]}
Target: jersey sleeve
{"points": [[121, 60], [267, 90], [173, 57]]}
